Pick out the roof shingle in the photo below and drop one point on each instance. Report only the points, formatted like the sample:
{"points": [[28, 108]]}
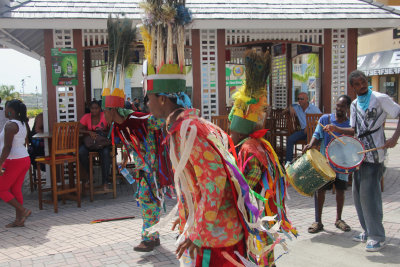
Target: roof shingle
{"points": [[210, 9]]}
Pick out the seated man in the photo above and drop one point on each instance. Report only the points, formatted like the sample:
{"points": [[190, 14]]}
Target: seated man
{"points": [[300, 110]]}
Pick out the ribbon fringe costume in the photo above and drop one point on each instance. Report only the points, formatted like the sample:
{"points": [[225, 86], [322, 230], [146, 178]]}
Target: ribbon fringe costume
{"points": [[203, 169], [142, 136], [259, 163]]}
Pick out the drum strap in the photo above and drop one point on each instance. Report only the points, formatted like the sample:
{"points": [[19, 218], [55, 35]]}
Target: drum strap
{"points": [[368, 133]]}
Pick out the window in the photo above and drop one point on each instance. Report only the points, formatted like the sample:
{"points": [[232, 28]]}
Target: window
{"points": [[388, 85]]}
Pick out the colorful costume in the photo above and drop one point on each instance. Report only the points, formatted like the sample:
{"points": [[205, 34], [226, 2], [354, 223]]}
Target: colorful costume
{"points": [[207, 203], [140, 133], [217, 209], [257, 159], [142, 136]]}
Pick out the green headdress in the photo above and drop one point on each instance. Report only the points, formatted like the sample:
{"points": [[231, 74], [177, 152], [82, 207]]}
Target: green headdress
{"points": [[251, 98], [164, 23], [121, 34]]}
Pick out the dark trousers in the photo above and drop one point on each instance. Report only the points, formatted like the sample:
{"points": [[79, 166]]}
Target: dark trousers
{"points": [[105, 160]]}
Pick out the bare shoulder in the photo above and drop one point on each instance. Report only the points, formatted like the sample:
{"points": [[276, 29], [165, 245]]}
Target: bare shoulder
{"points": [[11, 127]]}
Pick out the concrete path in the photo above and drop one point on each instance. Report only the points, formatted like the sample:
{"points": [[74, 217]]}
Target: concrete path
{"points": [[68, 238]]}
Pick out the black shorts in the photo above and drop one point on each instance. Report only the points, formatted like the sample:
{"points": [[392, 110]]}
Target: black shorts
{"points": [[339, 184]]}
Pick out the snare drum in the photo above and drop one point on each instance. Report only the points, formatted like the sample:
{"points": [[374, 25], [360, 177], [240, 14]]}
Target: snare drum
{"points": [[310, 172], [344, 158]]}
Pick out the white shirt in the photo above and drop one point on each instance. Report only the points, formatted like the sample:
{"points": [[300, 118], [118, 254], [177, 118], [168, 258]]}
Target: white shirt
{"points": [[380, 105], [3, 119], [18, 149]]}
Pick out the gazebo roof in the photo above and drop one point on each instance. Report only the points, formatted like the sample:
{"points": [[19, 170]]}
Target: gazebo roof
{"points": [[22, 22], [208, 13]]}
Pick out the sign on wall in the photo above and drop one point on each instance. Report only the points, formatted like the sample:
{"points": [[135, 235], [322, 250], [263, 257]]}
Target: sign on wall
{"points": [[234, 79], [64, 66]]}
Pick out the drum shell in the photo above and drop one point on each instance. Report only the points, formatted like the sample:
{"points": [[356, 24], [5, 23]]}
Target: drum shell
{"points": [[339, 168], [304, 177]]}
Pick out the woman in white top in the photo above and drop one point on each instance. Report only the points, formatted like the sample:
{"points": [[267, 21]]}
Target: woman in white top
{"points": [[14, 160]]}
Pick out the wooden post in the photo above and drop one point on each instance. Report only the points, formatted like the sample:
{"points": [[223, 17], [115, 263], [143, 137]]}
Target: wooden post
{"points": [[352, 37], [51, 89], [88, 78], [289, 74], [80, 90], [326, 77], [196, 68], [221, 72]]}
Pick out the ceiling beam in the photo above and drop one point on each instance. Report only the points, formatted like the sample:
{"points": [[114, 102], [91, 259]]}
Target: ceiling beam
{"points": [[29, 53], [14, 39]]}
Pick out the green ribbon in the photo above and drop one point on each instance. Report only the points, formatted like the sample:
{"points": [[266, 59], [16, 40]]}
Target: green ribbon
{"points": [[206, 258]]}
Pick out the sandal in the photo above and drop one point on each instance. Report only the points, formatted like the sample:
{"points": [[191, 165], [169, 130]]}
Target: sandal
{"points": [[20, 222], [315, 228], [342, 226], [14, 224]]}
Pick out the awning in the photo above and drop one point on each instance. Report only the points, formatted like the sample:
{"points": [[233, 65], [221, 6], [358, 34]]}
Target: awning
{"points": [[380, 63]]}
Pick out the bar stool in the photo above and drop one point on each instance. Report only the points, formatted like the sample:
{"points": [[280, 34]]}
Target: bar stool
{"points": [[94, 157], [64, 150]]}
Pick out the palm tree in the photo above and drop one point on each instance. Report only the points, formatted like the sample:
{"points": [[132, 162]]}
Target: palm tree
{"points": [[7, 92]]}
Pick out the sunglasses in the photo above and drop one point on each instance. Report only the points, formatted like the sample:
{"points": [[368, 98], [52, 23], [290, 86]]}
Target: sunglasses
{"points": [[300, 98]]}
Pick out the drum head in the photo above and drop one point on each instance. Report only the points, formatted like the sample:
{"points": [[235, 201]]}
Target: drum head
{"points": [[345, 156], [320, 164]]}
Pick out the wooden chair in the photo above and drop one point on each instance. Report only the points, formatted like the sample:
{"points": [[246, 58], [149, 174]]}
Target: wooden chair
{"points": [[294, 126], [269, 124], [64, 149], [222, 121], [95, 156], [312, 121], [280, 131]]}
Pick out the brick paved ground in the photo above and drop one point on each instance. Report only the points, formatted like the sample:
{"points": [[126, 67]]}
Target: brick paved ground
{"points": [[67, 238]]}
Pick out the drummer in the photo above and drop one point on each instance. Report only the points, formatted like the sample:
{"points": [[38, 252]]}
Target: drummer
{"points": [[340, 119], [368, 114]]}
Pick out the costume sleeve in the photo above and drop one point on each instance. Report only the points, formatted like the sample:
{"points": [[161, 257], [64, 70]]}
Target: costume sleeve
{"points": [[253, 172], [211, 180]]}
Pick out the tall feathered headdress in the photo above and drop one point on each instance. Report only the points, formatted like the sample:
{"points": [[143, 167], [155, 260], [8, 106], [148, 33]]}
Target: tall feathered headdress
{"points": [[251, 98], [163, 25], [121, 35]]}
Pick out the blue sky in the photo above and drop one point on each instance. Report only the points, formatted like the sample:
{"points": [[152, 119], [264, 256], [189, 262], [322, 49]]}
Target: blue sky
{"points": [[16, 66]]}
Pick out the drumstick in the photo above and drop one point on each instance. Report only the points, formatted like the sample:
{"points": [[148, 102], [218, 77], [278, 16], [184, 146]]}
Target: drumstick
{"points": [[334, 135], [369, 150]]}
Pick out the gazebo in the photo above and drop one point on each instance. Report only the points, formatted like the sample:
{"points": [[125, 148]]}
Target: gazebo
{"points": [[313, 45]]}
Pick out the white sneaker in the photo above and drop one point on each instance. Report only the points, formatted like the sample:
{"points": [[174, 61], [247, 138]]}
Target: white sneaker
{"points": [[360, 238], [373, 246]]}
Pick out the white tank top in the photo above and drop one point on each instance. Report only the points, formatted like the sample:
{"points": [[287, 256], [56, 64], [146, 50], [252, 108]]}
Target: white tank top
{"points": [[18, 149]]}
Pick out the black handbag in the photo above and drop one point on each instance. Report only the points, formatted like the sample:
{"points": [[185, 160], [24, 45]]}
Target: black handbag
{"points": [[99, 143]]}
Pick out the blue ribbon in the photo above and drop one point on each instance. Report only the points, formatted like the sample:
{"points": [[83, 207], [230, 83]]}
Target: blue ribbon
{"points": [[182, 99]]}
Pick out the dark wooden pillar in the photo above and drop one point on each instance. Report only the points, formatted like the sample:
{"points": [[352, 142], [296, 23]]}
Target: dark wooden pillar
{"points": [[352, 42], [88, 78], [51, 89], [196, 68], [221, 87], [80, 90], [326, 77], [289, 74]]}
